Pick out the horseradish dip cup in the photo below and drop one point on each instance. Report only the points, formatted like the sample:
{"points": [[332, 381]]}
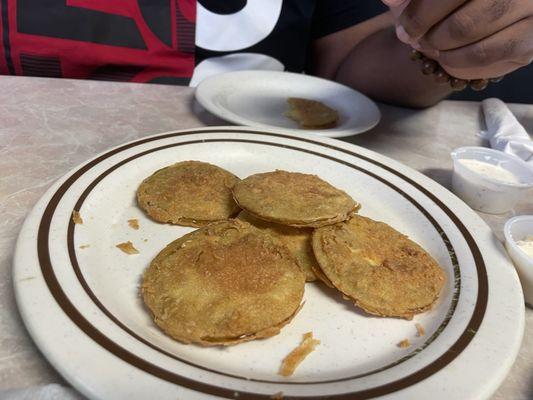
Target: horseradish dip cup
{"points": [[489, 180]]}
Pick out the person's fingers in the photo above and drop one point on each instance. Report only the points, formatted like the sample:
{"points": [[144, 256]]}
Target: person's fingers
{"points": [[421, 15], [512, 46], [494, 71], [475, 21], [394, 3], [396, 7]]}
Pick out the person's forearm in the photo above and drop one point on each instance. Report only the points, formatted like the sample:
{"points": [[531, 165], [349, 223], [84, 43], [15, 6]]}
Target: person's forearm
{"points": [[380, 67]]}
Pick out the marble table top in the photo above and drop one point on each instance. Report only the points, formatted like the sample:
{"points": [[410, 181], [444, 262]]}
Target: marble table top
{"points": [[49, 126]]}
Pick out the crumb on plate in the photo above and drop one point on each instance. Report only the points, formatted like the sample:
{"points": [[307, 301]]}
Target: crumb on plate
{"points": [[295, 357], [420, 329], [133, 223], [84, 246], [76, 218], [127, 247], [404, 344]]}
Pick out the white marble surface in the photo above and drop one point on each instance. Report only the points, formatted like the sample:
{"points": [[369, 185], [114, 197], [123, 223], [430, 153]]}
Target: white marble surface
{"points": [[49, 126]]}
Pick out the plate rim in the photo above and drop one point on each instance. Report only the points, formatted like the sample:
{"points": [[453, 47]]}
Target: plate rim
{"points": [[451, 252], [237, 130], [205, 101]]}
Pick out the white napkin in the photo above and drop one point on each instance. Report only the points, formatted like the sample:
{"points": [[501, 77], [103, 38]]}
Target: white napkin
{"points": [[44, 392], [504, 132]]}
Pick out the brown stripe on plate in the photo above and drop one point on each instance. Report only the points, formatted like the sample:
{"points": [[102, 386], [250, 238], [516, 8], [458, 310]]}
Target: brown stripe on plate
{"points": [[99, 304], [97, 336]]}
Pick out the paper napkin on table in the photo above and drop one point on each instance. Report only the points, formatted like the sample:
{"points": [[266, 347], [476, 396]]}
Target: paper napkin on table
{"points": [[504, 132], [44, 392]]}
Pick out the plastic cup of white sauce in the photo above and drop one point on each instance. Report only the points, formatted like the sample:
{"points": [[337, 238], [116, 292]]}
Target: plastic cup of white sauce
{"points": [[516, 229], [489, 180]]}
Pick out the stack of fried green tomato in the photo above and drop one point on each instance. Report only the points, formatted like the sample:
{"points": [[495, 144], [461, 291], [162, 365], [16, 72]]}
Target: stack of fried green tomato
{"points": [[241, 276]]}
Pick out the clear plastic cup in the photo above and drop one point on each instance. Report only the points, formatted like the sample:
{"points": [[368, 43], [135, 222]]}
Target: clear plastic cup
{"points": [[519, 228], [485, 193]]}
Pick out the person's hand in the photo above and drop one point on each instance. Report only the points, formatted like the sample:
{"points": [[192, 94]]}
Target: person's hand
{"points": [[471, 39]]}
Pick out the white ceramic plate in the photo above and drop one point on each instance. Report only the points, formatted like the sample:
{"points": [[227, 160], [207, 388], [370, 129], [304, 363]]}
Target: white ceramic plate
{"points": [[82, 305], [259, 99]]}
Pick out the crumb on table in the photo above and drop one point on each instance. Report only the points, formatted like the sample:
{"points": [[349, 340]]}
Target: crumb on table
{"points": [[277, 396], [76, 218], [420, 329], [404, 344], [133, 223], [295, 357], [127, 247]]}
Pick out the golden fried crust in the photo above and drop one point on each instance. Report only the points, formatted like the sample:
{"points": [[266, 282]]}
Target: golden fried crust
{"points": [[294, 199], [311, 114], [297, 240], [381, 270], [320, 275], [190, 193], [295, 357], [223, 284]]}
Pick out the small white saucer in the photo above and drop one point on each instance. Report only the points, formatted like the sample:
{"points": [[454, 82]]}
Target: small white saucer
{"points": [[259, 99]]}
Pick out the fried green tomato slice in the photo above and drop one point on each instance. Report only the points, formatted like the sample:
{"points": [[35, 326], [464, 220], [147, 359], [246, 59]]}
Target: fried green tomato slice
{"points": [[311, 114], [190, 193], [292, 198], [381, 270], [297, 240], [223, 284]]}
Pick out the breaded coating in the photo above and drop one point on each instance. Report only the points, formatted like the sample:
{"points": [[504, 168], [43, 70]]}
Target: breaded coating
{"points": [[76, 218], [133, 223], [223, 284], [297, 240], [295, 357], [420, 330], [404, 344], [292, 198], [190, 193], [381, 270], [128, 248], [320, 275], [311, 114]]}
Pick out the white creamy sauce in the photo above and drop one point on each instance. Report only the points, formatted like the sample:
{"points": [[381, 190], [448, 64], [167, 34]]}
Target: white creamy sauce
{"points": [[495, 195], [526, 245], [490, 171]]}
